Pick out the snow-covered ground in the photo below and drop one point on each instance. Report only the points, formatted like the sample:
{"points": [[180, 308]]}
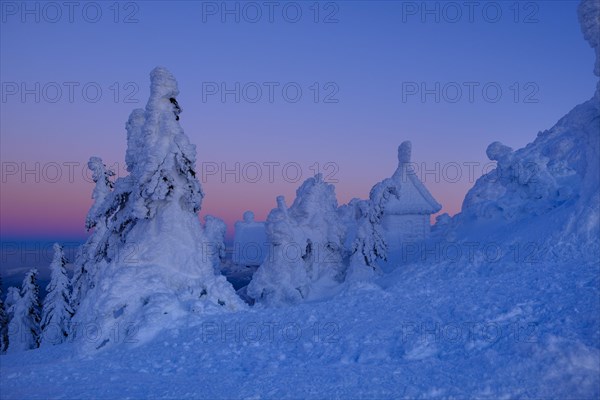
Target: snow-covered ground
{"points": [[500, 330]]}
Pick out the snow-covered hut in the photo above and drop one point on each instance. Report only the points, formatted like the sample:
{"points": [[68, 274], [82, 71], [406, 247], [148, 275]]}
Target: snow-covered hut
{"points": [[407, 217]]}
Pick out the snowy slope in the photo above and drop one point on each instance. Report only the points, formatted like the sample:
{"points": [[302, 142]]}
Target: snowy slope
{"points": [[498, 331]]}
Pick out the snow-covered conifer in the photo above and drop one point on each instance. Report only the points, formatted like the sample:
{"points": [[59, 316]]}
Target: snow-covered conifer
{"points": [[12, 296], [24, 326], [369, 244], [56, 310], [282, 277], [214, 241], [306, 246], [3, 323], [149, 260]]}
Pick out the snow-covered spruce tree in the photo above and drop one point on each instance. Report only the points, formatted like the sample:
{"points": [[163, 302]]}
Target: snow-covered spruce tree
{"points": [[214, 241], [306, 245], [24, 326], [369, 243], [155, 270], [315, 211], [281, 278], [3, 322], [88, 260], [12, 296], [56, 310]]}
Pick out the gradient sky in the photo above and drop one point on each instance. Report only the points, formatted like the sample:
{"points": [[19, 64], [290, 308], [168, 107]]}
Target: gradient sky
{"points": [[371, 52]]}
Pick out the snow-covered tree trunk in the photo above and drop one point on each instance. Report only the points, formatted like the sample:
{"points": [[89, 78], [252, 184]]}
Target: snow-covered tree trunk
{"points": [[56, 310], [3, 322], [24, 327]]}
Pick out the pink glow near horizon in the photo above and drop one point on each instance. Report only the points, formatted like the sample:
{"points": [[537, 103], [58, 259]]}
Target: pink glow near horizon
{"points": [[46, 209]]}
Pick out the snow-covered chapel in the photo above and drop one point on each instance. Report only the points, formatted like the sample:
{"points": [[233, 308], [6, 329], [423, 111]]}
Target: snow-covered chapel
{"points": [[406, 217]]}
